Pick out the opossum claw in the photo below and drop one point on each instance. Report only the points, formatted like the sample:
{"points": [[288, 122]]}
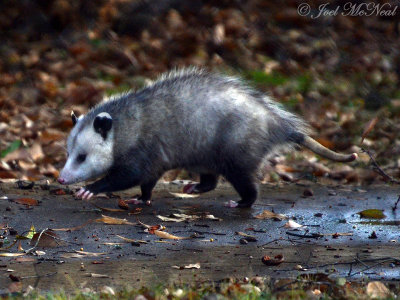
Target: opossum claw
{"points": [[86, 195], [80, 192], [231, 204]]}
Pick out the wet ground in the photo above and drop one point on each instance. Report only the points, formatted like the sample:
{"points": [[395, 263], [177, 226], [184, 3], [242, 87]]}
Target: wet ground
{"points": [[335, 240]]}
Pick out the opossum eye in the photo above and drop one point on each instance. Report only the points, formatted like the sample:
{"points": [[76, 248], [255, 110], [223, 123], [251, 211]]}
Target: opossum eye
{"points": [[81, 158]]}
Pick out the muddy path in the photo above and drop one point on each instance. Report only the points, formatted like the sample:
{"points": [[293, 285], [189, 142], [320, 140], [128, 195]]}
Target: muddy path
{"points": [[335, 240]]}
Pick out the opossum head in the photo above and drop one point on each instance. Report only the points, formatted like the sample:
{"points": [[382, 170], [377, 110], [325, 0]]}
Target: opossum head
{"points": [[90, 148]]}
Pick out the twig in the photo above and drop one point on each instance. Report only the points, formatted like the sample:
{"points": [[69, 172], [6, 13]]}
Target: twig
{"points": [[37, 242], [395, 205], [379, 170], [370, 267], [311, 236]]}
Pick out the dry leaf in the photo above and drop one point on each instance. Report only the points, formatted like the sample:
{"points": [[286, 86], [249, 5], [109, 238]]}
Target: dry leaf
{"points": [[292, 224], [122, 204], [191, 266], [267, 214], [46, 238], [5, 254], [131, 240], [166, 235], [368, 128], [372, 214], [27, 201], [113, 221], [94, 275], [183, 195], [377, 290], [269, 261], [89, 253]]}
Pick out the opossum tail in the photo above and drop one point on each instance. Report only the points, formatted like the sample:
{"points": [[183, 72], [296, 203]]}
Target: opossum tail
{"points": [[317, 148]]}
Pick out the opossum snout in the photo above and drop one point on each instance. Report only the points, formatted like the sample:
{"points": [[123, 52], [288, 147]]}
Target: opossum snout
{"points": [[61, 180]]}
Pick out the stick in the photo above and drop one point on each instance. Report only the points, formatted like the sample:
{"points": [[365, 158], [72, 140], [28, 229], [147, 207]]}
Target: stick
{"points": [[379, 170]]}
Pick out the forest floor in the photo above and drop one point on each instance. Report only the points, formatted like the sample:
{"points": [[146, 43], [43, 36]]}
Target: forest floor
{"points": [[303, 229]]}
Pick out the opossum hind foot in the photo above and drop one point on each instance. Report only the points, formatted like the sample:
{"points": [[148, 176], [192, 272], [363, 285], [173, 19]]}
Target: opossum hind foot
{"points": [[208, 182]]}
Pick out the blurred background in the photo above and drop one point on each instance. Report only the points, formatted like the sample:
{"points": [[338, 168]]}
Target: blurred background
{"points": [[340, 73]]}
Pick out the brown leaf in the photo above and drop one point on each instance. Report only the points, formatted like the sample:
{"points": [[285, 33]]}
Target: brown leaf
{"points": [[166, 235], [128, 240], [269, 261], [368, 128], [377, 290], [113, 221], [48, 239], [27, 201], [122, 204], [267, 214], [15, 287]]}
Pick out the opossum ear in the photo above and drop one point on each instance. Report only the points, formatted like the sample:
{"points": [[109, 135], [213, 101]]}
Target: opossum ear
{"points": [[102, 124], [74, 118]]}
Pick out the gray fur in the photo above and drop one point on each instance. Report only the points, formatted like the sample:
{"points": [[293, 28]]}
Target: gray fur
{"points": [[192, 119]]}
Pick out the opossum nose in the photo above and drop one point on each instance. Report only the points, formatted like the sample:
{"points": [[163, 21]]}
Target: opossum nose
{"points": [[61, 180]]}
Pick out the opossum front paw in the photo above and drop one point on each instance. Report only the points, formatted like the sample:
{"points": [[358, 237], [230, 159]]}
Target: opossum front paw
{"points": [[84, 194]]}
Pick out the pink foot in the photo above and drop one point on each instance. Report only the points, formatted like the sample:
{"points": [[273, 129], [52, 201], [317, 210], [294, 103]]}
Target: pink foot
{"points": [[134, 201], [189, 188], [231, 204]]}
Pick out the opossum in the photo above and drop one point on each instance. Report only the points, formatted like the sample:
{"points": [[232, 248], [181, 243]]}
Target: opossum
{"points": [[191, 119]]}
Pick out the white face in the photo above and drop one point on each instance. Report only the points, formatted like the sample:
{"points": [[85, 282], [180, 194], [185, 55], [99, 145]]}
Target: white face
{"points": [[90, 155]]}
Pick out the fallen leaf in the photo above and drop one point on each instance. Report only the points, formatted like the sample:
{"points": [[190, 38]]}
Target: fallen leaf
{"points": [[47, 239], [267, 214], [29, 234], [190, 266], [292, 224], [184, 217], [377, 290], [183, 195], [27, 201], [368, 128], [131, 240], [95, 254], [166, 235], [269, 261], [122, 204], [15, 287], [113, 221], [20, 249], [372, 214], [95, 275], [25, 259], [12, 147], [5, 254], [248, 238]]}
